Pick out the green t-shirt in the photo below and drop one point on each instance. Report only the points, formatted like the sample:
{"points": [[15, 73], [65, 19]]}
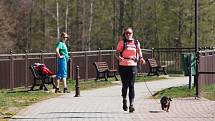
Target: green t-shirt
{"points": [[63, 49]]}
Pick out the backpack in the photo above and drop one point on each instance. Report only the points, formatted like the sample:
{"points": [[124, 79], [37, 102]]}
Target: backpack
{"points": [[124, 46]]}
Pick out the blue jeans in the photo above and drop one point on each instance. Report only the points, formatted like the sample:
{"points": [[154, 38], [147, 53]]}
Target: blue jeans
{"points": [[62, 68]]}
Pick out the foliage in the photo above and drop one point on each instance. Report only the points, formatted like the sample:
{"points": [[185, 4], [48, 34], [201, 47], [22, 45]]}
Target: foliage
{"points": [[32, 24]]}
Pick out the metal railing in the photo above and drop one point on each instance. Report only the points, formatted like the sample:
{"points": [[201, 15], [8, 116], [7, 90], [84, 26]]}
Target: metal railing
{"points": [[171, 57]]}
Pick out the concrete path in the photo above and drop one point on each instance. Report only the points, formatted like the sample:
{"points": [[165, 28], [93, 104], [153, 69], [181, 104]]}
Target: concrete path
{"points": [[106, 105]]}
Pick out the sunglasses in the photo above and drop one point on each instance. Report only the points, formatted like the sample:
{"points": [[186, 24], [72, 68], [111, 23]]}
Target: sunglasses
{"points": [[65, 37], [128, 33]]}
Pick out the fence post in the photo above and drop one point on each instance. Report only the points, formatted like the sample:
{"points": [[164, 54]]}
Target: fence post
{"points": [[11, 71], [77, 86], [26, 68], [41, 57], [56, 61], [71, 66], [113, 64], [196, 77], [153, 53], [190, 70], [99, 58], [86, 65]]}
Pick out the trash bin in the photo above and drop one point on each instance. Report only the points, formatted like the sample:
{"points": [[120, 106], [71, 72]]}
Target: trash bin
{"points": [[186, 59]]}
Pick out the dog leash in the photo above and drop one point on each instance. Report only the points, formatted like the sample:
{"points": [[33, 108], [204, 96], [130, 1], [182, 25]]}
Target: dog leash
{"points": [[150, 91]]}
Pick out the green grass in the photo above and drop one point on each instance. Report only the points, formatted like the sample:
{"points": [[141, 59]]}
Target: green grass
{"points": [[90, 84], [175, 92], [11, 101], [142, 78], [207, 92]]}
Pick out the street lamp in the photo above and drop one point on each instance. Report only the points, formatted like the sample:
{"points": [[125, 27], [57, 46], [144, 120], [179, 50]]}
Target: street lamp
{"points": [[197, 44]]}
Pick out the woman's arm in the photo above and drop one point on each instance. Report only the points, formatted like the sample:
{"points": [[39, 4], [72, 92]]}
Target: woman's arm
{"points": [[58, 53], [118, 50], [139, 51], [118, 56]]}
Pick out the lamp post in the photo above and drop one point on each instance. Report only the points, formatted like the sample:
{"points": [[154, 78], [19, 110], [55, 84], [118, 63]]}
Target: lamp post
{"points": [[197, 45]]}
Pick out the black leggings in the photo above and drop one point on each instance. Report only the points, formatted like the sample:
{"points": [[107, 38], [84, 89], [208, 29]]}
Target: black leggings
{"points": [[128, 74]]}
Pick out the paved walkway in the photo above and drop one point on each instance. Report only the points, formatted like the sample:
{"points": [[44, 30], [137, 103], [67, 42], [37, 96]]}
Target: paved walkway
{"points": [[106, 105]]}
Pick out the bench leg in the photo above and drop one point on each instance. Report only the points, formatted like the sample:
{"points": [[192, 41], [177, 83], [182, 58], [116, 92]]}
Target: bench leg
{"points": [[115, 76], [53, 84], [164, 71], [149, 73], [106, 76], [43, 85], [96, 78], [157, 72], [45, 88], [32, 87]]}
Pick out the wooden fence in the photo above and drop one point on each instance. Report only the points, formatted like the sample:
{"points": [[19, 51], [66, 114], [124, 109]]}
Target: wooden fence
{"points": [[14, 68], [206, 67]]}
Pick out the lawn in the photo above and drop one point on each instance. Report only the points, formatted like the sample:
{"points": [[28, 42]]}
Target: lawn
{"points": [[207, 92], [12, 101]]}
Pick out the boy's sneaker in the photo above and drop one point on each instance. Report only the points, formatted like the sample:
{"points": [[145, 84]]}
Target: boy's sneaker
{"points": [[65, 90]]}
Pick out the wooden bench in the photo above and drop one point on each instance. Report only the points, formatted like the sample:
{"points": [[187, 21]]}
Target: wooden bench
{"points": [[41, 80], [154, 68], [102, 71]]}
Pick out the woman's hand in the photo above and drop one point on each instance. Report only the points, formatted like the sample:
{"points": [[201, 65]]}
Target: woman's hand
{"points": [[61, 56], [142, 61], [121, 58]]}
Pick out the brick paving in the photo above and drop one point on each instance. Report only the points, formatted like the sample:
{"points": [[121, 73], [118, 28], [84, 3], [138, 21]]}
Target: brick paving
{"points": [[106, 105]]}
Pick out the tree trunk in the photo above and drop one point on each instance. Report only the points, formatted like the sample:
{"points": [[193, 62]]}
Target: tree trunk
{"points": [[90, 25], [114, 22], [83, 39], [121, 14], [57, 10], [66, 20], [78, 25]]}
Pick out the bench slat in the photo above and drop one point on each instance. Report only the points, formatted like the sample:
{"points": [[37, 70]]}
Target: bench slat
{"points": [[103, 70], [155, 68]]}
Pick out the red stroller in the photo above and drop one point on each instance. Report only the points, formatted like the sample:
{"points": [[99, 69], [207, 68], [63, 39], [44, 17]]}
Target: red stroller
{"points": [[42, 75]]}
